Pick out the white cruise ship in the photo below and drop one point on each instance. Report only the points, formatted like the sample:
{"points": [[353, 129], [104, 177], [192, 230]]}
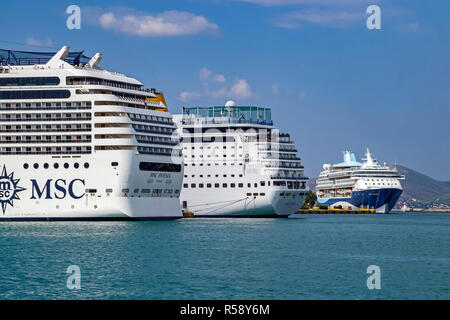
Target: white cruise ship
{"points": [[237, 163], [78, 142], [352, 184]]}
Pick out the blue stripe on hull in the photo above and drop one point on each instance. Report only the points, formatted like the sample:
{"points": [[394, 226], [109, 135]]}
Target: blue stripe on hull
{"points": [[375, 198]]}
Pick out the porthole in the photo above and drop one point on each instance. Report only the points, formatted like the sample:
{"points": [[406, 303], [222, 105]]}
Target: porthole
{"points": [[46, 165], [25, 165], [56, 165], [86, 165], [76, 165], [36, 166], [66, 165]]}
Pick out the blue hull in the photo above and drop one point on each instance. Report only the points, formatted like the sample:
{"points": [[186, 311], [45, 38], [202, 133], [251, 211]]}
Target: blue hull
{"points": [[373, 199]]}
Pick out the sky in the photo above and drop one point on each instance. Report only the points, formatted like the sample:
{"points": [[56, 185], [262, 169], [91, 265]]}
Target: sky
{"points": [[332, 83]]}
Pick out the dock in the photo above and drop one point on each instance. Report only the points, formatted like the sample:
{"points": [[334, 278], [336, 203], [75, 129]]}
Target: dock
{"points": [[334, 211]]}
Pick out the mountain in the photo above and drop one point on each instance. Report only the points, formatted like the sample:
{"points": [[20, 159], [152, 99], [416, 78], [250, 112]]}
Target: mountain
{"points": [[419, 190]]}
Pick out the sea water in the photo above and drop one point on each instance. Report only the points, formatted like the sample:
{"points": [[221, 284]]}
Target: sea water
{"points": [[311, 257]]}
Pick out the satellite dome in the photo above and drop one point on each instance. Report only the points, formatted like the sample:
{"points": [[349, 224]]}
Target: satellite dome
{"points": [[230, 103]]}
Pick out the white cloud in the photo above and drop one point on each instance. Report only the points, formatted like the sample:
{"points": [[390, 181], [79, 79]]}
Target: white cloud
{"points": [[205, 73], [219, 78], [47, 42], [275, 88], [322, 17], [240, 89], [167, 23], [326, 13], [186, 96]]}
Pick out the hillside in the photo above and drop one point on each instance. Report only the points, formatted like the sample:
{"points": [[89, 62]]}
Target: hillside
{"points": [[419, 190]]}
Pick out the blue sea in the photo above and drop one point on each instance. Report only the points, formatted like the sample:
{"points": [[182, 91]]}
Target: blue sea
{"points": [[311, 257]]}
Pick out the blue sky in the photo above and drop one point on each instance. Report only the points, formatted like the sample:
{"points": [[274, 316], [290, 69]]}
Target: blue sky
{"points": [[331, 82]]}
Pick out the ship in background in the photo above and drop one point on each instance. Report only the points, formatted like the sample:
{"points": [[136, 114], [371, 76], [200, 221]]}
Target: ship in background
{"points": [[354, 185], [80, 142], [237, 164]]}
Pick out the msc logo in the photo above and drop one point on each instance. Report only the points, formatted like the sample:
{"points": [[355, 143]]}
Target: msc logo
{"points": [[8, 189], [62, 189]]}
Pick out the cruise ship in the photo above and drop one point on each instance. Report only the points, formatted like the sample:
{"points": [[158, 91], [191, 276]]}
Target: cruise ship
{"points": [[236, 163], [355, 185], [78, 142]]}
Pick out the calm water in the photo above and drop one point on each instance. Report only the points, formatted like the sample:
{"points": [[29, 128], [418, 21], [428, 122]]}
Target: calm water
{"points": [[313, 257]]}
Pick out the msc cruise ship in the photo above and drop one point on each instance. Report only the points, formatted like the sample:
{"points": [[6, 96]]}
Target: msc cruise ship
{"points": [[352, 184], [81, 142], [237, 163]]}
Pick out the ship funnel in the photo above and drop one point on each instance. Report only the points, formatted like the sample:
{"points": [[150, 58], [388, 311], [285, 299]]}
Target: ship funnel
{"points": [[348, 155]]}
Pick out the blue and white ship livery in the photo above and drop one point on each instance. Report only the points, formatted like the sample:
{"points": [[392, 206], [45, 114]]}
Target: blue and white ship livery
{"points": [[352, 184]]}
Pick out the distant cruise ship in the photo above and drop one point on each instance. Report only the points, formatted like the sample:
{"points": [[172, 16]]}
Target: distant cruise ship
{"points": [[355, 185], [237, 164], [80, 142]]}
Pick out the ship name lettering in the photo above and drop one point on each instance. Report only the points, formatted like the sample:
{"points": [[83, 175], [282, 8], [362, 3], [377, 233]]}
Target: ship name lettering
{"points": [[61, 186]]}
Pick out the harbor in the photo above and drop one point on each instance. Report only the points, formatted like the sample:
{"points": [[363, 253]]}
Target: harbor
{"points": [[335, 211]]}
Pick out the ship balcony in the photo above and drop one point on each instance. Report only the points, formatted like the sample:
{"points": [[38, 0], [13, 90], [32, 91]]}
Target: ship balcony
{"points": [[144, 118], [280, 156], [43, 119], [45, 142], [113, 130], [41, 108], [104, 142], [284, 166], [112, 117], [42, 130], [279, 177], [275, 149], [154, 132]]}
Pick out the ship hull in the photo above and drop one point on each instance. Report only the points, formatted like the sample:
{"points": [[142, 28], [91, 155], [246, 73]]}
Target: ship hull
{"points": [[381, 200], [272, 204], [110, 187]]}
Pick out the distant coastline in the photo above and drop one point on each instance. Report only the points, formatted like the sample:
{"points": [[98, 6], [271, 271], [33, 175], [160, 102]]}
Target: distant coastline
{"points": [[432, 210]]}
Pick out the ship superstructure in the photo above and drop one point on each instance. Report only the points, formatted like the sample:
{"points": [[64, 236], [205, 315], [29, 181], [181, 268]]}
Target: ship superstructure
{"points": [[238, 164], [81, 142], [352, 184]]}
